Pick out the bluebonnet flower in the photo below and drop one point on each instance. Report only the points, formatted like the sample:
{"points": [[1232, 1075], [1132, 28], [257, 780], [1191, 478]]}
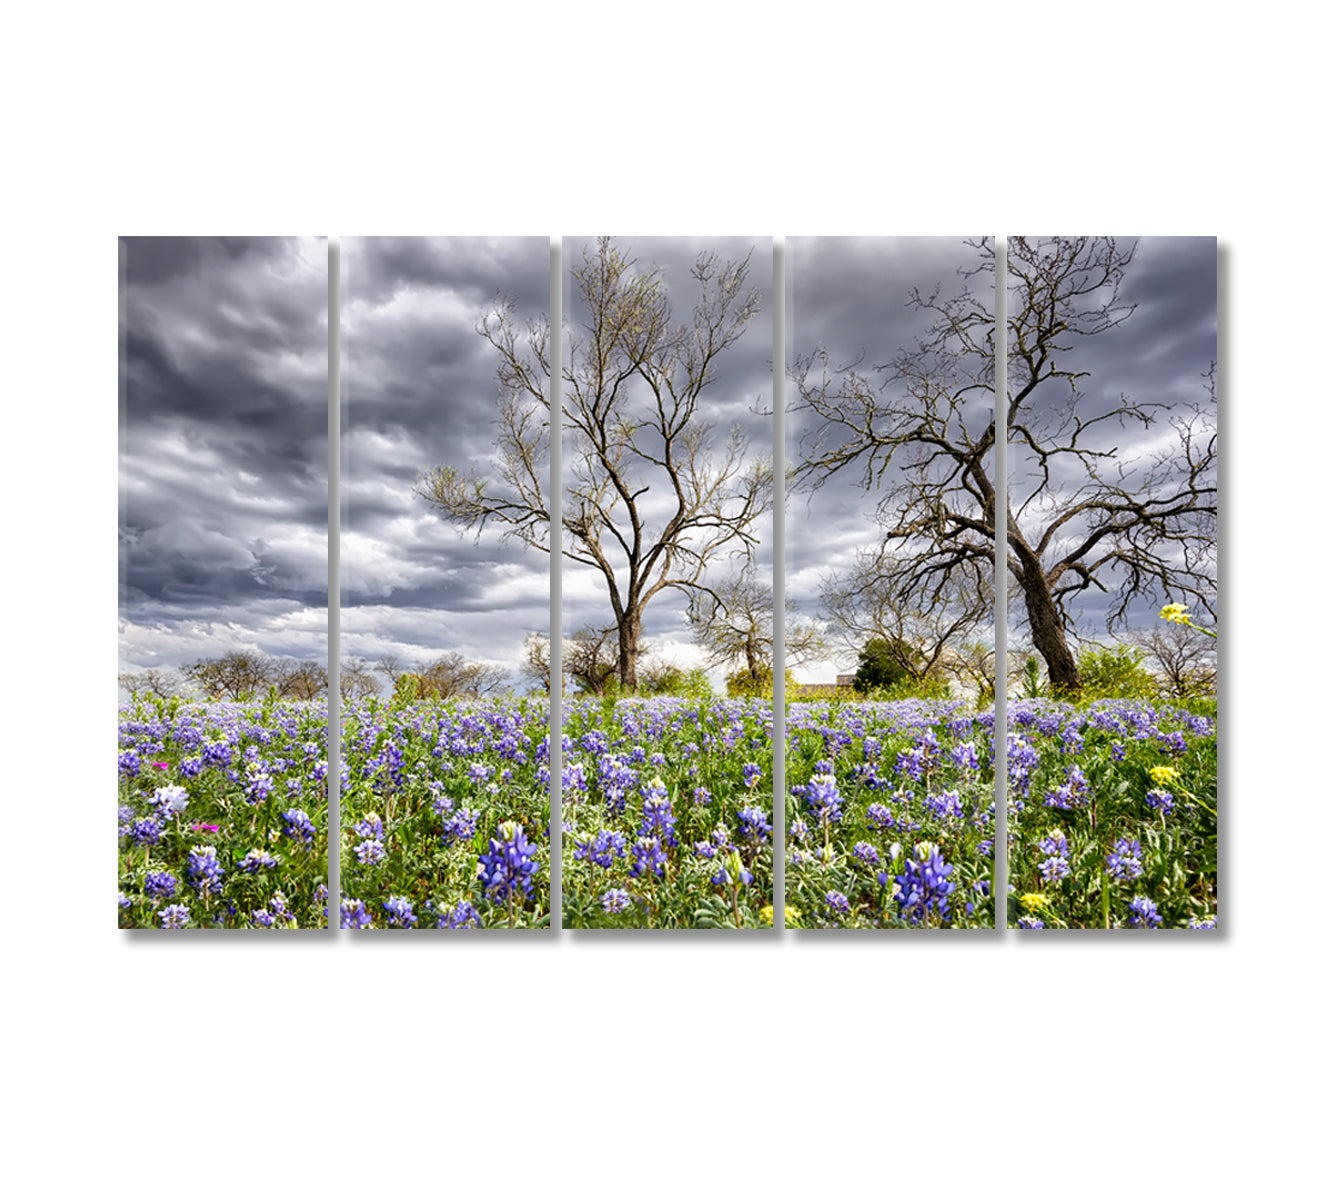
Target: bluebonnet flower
{"points": [[705, 849], [146, 831], [123, 901], [160, 884], [659, 821], [170, 800], [615, 779], [800, 830], [460, 826], [352, 914], [256, 860], [1123, 862], [837, 902], [1210, 922], [370, 827], [398, 911], [866, 853], [924, 885], [912, 762], [1027, 922], [204, 871], [702, 795], [297, 826], [462, 916], [508, 867], [1020, 759], [648, 857], [822, 794], [964, 756], [1056, 865], [572, 778], [174, 916], [258, 784], [750, 774], [1071, 792], [129, 763], [946, 804], [755, 827], [124, 820], [263, 918], [1160, 801], [1144, 913], [731, 873], [881, 817], [369, 852], [615, 900], [602, 849], [480, 772]]}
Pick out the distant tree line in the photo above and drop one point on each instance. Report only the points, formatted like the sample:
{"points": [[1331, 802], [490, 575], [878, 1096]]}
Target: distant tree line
{"points": [[247, 674]]}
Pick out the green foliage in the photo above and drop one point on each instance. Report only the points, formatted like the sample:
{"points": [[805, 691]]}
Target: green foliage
{"points": [[1115, 672], [672, 680], [743, 685], [1033, 685], [880, 667]]}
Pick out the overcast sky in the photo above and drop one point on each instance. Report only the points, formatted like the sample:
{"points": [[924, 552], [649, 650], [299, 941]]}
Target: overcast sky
{"points": [[223, 448], [850, 295], [420, 390]]}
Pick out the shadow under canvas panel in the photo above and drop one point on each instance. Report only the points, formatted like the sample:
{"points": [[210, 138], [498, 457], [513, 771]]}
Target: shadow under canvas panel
{"points": [[668, 537], [223, 582], [889, 568], [1112, 698], [444, 598]]}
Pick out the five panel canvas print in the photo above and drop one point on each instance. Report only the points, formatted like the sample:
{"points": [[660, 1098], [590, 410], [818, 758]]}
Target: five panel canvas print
{"points": [[659, 521]]}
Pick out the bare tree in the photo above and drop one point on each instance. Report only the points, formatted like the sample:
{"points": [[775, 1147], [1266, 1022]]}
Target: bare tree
{"points": [[1186, 661], [1130, 528], [391, 667], [875, 600], [236, 675], [356, 680], [452, 675], [588, 660], [734, 624], [650, 499], [299, 680], [160, 682]]}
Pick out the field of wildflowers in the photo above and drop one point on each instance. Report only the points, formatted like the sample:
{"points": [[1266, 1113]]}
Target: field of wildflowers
{"points": [[667, 814], [221, 815], [1113, 815], [445, 815], [890, 814]]}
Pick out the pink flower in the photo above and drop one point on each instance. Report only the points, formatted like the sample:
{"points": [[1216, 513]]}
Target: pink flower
{"points": [[160, 766], [206, 828]]}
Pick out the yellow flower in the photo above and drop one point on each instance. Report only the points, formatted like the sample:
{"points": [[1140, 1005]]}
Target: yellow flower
{"points": [[790, 915], [1162, 776], [1176, 613], [1032, 900]]}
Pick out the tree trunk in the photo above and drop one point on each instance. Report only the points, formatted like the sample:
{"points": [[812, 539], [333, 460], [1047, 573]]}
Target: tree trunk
{"points": [[628, 638], [1048, 634]]}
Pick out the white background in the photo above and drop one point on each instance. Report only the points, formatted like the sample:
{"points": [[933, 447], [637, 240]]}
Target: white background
{"points": [[687, 1066]]}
